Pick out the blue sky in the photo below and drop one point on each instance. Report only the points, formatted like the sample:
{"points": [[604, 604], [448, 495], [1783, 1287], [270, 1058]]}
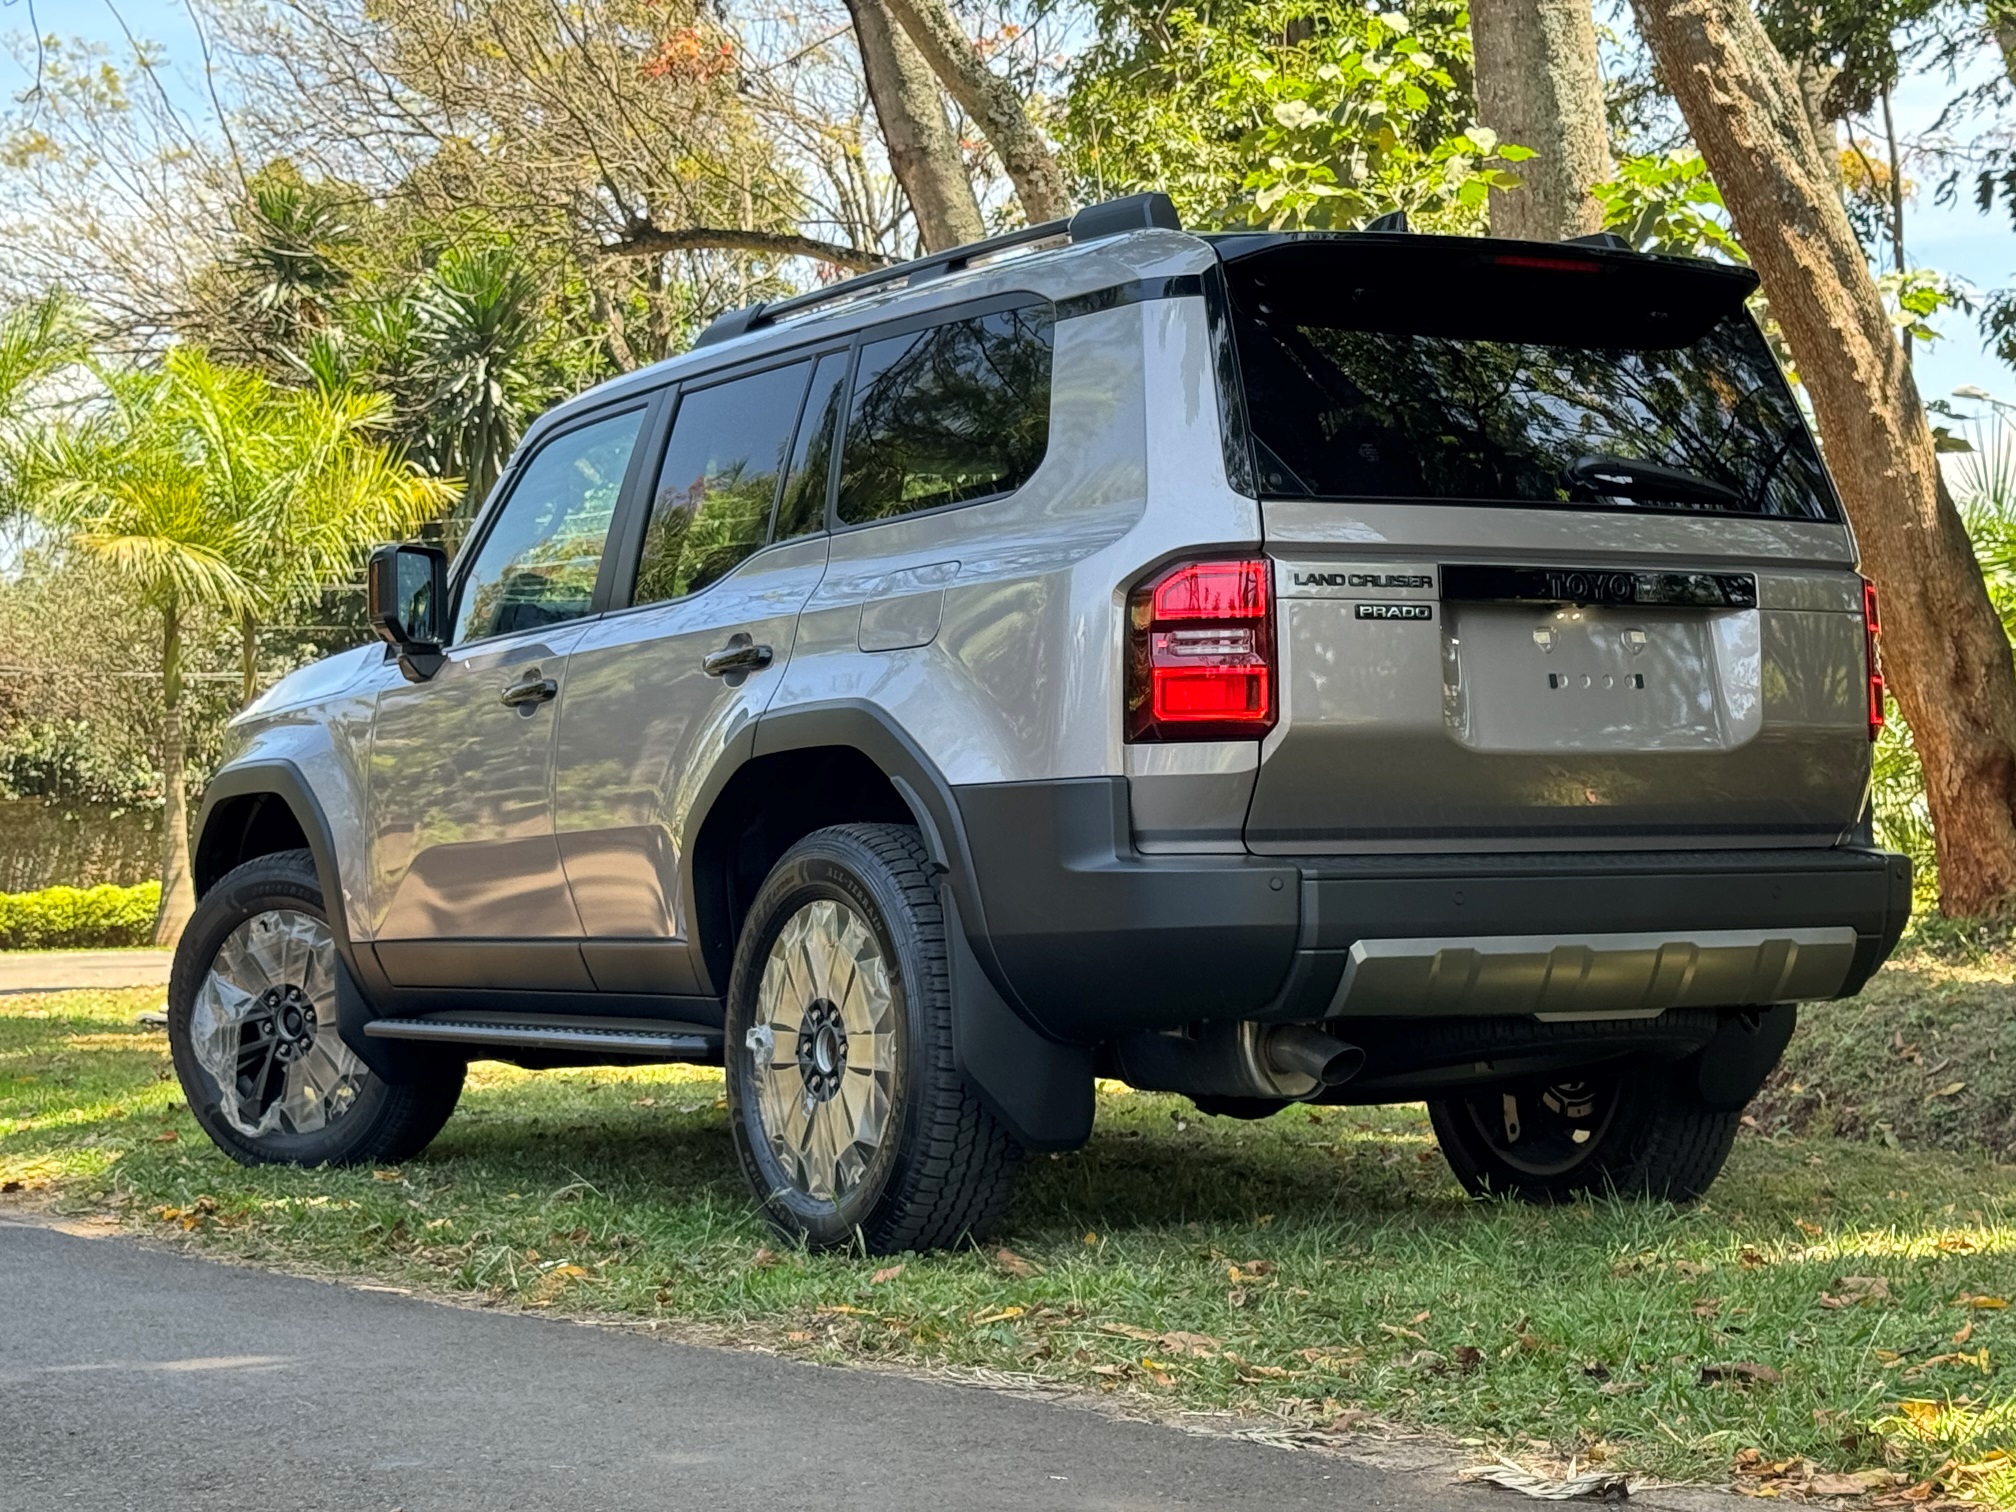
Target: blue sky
{"points": [[1958, 239]]}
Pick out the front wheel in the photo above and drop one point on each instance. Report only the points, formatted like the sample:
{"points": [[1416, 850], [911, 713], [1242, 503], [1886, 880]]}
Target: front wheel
{"points": [[252, 1028], [1628, 1129], [850, 1120]]}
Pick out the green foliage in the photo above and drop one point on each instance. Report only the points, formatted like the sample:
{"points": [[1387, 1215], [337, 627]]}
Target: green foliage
{"points": [[1666, 202], [73, 761], [1287, 114], [59, 918]]}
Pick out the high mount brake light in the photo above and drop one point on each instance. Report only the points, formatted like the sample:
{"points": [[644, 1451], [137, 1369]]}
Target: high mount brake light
{"points": [[1551, 264], [1200, 653], [1872, 627]]}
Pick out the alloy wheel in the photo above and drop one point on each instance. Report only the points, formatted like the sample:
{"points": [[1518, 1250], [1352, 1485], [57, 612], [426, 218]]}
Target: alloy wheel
{"points": [[823, 1049]]}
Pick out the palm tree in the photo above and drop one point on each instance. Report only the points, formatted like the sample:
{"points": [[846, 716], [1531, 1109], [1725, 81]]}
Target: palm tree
{"points": [[473, 365], [207, 489]]}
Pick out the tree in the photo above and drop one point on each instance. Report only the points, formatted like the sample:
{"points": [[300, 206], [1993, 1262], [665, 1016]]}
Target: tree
{"points": [[923, 152], [992, 103], [208, 493], [1950, 660], [1538, 85], [1295, 113]]}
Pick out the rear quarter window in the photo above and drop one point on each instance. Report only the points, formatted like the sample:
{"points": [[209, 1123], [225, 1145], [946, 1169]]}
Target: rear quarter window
{"points": [[953, 413]]}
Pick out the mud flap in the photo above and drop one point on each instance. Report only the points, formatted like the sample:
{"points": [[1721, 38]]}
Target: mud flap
{"points": [[1040, 1090], [1733, 1065]]}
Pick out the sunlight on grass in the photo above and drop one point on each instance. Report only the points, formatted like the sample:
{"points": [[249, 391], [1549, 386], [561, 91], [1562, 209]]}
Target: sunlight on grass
{"points": [[1297, 1270]]}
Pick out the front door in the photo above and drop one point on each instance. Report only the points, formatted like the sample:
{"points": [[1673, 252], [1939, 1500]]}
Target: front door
{"points": [[466, 884], [733, 545]]}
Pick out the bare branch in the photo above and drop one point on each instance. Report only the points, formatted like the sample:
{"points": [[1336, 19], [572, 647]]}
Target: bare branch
{"points": [[642, 239]]}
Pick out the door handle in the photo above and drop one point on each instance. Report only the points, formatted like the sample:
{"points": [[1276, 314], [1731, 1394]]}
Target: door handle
{"points": [[528, 691], [740, 655]]}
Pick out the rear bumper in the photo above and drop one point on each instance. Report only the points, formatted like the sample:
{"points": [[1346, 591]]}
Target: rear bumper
{"points": [[1092, 939]]}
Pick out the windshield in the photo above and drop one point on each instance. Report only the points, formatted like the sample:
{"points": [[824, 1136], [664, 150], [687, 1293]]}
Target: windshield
{"points": [[1524, 384]]}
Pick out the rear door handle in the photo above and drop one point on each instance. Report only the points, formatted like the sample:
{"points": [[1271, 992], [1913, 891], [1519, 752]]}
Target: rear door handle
{"points": [[529, 690], [739, 655]]}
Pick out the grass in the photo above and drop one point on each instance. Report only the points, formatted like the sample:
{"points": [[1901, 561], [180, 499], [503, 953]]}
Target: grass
{"points": [[1836, 1302]]}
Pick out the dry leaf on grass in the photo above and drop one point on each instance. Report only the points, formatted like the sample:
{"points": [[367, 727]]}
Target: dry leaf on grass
{"points": [[1014, 1264], [763, 1259], [1854, 1291]]}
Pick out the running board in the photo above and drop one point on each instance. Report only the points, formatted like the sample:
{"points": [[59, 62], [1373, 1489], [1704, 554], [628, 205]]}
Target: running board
{"points": [[655, 1039]]}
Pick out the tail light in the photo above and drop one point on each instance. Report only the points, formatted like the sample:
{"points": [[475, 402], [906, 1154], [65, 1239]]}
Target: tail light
{"points": [[1872, 627], [1200, 662]]}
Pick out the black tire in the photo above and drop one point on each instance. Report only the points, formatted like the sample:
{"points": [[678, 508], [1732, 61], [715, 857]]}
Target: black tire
{"points": [[377, 1121], [942, 1166], [1647, 1133]]}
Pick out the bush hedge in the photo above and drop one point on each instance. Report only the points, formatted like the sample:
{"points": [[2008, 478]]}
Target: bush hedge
{"points": [[78, 917]]}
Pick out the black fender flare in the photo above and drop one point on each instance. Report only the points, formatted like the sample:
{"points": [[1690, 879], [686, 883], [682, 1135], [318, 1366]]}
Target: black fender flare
{"points": [[278, 777], [1040, 1089]]}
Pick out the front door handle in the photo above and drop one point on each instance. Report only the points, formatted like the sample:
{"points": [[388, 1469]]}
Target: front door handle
{"points": [[529, 691], [739, 656]]}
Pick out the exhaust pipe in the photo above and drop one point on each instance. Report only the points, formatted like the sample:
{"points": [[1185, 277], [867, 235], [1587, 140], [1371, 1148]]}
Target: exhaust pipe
{"points": [[1298, 1050]]}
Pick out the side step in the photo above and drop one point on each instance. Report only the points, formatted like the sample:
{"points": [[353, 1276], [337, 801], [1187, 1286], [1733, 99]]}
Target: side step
{"points": [[629, 1038]]}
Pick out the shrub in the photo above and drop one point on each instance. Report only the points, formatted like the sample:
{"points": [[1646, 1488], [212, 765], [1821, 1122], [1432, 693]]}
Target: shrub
{"points": [[57, 917]]}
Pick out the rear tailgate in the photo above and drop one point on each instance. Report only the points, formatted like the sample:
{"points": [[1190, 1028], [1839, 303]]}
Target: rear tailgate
{"points": [[1555, 562]]}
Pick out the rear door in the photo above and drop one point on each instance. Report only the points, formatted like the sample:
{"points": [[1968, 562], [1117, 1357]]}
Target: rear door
{"points": [[1556, 562], [732, 545]]}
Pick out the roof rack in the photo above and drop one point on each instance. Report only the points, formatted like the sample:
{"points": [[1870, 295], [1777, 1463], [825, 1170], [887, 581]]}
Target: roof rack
{"points": [[1136, 212]]}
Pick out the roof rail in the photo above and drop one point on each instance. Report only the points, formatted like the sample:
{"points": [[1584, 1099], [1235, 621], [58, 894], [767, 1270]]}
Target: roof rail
{"points": [[1134, 213]]}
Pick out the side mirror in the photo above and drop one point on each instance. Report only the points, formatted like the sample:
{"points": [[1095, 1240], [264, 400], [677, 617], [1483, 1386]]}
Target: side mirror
{"points": [[406, 593]]}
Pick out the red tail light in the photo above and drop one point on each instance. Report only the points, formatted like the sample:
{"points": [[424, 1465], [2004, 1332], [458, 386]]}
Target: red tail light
{"points": [[1200, 663], [1872, 627]]}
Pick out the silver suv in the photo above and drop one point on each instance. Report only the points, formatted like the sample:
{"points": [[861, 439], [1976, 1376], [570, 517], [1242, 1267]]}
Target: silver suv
{"points": [[1272, 668]]}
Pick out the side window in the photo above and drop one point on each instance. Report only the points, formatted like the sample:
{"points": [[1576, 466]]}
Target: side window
{"points": [[954, 412], [719, 482], [538, 563], [803, 507]]}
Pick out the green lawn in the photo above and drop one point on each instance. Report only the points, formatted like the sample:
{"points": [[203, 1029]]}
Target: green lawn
{"points": [[1836, 1302]]}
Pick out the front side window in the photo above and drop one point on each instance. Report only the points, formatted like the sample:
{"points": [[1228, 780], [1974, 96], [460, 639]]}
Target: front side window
{"points": [[719, 481], [946, 415], [538, 563]]}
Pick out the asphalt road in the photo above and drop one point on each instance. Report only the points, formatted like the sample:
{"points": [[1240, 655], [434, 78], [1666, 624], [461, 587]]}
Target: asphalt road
{"points": [[63, 970], [131, 1378]]}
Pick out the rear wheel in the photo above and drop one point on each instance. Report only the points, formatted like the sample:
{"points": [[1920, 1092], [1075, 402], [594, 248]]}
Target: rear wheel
{"points": [[850, 1120], [1629, 1128], [252, 1028]]}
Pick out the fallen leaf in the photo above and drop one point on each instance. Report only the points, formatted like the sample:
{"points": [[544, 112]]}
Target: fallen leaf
{"points": [[1090, 1238], [1948, 1090], [1709, 1307], [1201, 1345], [797, 1336], [1833, 1485], [1346, 1420], [763, 1259], [1128, 1331], [1965, 1332], [887, 1273], [1593, 1485], [1812, 1230], [387, 1175], [997, 1317], [10, 1186], [1984, 1304], [1014, 1264], [1855, 1291], [1263, 1372], [1402, 1333], [1740, 1370], [1690, 1268], [1467, 1357]]}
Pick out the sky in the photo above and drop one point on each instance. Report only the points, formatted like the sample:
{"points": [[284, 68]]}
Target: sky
{"points": [[1958, 239]]}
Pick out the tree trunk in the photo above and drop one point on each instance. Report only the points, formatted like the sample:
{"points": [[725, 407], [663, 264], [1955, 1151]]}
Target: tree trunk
{"points": [[178, 893], [1538, 84], [1950, 661], [2002, 27], [993, 104], [923, 152], [248, 659]]}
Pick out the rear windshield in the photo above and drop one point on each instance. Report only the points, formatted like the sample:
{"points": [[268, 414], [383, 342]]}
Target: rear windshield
{"points": [[1464, 374]]}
